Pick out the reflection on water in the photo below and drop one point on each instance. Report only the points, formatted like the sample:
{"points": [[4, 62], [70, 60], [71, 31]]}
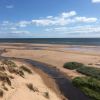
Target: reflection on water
{"points": [[80, 48]]}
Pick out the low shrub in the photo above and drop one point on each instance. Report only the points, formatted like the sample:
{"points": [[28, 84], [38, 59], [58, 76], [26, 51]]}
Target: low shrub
{"points": [[30, 86], [90, 71], [4, 77], [16, 71], [2, 68], [9, 63], [1, 93], [90, 86], [26, 69], [73, 65]]}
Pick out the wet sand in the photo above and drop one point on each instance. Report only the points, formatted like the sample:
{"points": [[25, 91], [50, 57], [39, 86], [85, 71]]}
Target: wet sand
{"points": [[53, 57]]}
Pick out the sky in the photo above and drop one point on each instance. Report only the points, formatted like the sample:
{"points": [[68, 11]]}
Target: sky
{"points": [[49, 18]]}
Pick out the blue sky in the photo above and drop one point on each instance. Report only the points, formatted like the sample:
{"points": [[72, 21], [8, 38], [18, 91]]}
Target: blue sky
{"points": [[49, 18]]}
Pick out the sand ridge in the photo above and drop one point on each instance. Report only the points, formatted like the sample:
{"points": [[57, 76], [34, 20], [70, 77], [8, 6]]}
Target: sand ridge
{"points": [[19, 90]]}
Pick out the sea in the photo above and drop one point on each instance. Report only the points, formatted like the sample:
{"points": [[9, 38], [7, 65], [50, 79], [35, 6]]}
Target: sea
{"points": [[65, 41]]}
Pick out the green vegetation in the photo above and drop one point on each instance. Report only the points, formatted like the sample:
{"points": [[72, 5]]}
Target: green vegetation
{"points": [[9, 63], [16, 71], [90, 86], [26, 69], [5, 78], [90, 71], [72, 65], [79, 67], [30, 86]]}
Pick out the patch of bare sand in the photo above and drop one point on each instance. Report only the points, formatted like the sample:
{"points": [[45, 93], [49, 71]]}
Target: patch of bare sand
{"points": [[19, 90]]}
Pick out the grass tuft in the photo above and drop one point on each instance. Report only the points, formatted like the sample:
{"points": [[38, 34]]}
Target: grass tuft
{"points": [[9, 63], [30, 86], [16, 71], [1, 93], [4, 77], [26, 69]]}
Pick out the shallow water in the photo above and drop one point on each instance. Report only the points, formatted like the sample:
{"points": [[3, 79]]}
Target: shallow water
{"points": [[64, 84], [82, 49]]}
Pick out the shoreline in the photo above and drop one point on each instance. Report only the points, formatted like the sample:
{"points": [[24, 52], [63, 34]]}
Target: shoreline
{"points": [[65, 86], [50, 55]]}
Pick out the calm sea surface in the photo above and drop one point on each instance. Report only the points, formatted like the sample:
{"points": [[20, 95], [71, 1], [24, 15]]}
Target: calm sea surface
{"points": [[67, 41]]}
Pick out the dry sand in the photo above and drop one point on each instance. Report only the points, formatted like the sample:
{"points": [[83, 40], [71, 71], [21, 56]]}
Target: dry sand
{"points": [[55, 55], [19, 90]]}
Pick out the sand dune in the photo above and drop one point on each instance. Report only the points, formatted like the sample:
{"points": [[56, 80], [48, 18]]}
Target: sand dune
{"points": [[20, 91]]}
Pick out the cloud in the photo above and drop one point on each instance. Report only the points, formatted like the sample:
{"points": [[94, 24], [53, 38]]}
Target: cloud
{"points": [[95, 1], [10, 6], [85, 19], [20, 32], [76, 29], [24, 23], [62, 23], [6, 23], [68, 14], [64, 18]]}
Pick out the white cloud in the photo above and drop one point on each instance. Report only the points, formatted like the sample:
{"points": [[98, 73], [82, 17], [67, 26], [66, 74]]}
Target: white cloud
{"points": [[23, 23], [95, 1], [64, 18], [68, 14], [20, 32], [76, 29], [84, 19], [10, 6], [44, 22], [4, 23], [58, 24]]}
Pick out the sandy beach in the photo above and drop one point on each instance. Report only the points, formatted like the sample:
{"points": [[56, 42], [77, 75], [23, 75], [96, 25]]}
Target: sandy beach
{"points": [[55, 55], [19, 90]]}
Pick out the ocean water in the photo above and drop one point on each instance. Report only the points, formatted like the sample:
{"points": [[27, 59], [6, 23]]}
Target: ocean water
{"points": [[67, 41]]}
